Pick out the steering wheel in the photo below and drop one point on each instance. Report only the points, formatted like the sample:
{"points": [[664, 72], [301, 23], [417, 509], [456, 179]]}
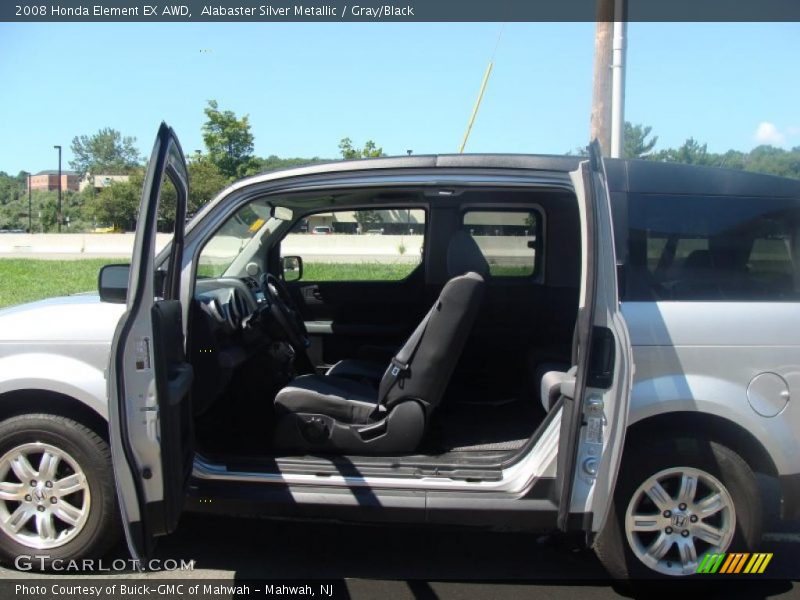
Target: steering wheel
{"points": [[285, 312]]}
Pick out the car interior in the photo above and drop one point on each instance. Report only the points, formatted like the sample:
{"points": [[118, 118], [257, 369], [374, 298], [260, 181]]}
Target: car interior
{"points": [[444, 345]]}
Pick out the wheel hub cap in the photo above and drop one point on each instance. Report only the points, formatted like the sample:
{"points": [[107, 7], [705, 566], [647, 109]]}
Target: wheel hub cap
{"points": [[677, 516], [44, 496]]}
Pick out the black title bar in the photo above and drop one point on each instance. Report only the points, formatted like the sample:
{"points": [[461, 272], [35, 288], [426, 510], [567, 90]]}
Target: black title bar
{"points": [[275, 11]]}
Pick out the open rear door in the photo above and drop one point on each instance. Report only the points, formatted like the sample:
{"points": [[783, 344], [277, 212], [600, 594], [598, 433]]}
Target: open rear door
{"points": [[149, 377], [595, 404]]}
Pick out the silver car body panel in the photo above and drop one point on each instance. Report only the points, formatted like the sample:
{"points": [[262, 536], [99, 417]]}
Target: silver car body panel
{"points": [[59, 345], [703, 356]]}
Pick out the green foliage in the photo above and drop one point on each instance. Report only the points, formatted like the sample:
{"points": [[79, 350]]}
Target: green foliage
{"points": [[635, 142], [691, 152], [639, 143], [116, 204], [273, 163], [370, 150], [12, 191], [365, 218], [205, 181], [228, 140], [106, 152]]}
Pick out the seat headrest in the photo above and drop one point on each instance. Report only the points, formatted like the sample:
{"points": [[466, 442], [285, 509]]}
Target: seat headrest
{"points": [[464, 256]]}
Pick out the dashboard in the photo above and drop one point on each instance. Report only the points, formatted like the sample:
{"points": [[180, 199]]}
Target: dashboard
{"points": [[228, 301]]}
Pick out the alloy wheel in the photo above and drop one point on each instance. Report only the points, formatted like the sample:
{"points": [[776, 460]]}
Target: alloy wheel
{"points": [[676, 517], [44, 496]]}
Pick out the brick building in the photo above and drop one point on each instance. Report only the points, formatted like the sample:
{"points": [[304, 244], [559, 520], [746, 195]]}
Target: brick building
{"points": [[46, 181]]}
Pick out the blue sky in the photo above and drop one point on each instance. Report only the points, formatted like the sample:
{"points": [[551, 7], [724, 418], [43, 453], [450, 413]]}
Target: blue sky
{"points": [[407, 86]]}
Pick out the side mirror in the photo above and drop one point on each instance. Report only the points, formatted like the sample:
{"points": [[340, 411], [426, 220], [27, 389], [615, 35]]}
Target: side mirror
{"points": [[112, 283], [292, 268]]}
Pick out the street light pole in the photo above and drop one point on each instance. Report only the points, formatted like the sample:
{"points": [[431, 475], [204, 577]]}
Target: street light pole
{"points": [[58, 215], [30, 215]]}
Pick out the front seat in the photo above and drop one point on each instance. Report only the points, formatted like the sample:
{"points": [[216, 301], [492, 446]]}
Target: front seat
{"points": [[330, 413]]}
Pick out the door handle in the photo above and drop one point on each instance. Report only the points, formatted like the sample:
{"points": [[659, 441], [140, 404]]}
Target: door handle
{"points": [[312, 294]]}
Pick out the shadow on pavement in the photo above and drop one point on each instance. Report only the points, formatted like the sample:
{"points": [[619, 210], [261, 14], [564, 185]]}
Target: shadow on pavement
{"points": [[419, 562]]}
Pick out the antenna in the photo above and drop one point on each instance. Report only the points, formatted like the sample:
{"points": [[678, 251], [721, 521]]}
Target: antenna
{"points": [[475, 108]]}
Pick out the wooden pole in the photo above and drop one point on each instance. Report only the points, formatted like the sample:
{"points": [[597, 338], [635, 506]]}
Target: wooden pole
{"points": [[600, 128]]}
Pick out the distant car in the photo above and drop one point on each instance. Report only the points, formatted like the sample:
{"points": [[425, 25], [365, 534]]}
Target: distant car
{"points": [[374, 231], [322, 230]]}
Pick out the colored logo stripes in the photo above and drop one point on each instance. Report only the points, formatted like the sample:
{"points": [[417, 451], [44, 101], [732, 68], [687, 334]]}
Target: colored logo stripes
{"points": [[735, 562]]}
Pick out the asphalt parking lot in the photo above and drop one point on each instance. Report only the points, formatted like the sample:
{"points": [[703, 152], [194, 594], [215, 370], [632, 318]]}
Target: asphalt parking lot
{"points": [[419, 562]]}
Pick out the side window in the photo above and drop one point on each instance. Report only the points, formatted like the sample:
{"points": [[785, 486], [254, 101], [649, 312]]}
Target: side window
{"points": [[358, 245], [713, 248], [508, 240]]}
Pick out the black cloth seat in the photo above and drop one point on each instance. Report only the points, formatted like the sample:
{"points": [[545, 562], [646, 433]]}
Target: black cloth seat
{"points": [[366, 371], [343, 399], [343, 412]]}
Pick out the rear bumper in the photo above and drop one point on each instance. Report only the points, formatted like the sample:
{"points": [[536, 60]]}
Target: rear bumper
{"points": [[790, 496]]}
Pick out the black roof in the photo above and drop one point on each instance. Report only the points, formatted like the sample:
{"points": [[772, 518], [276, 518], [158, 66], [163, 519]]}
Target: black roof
{"points": [[638, 176], [644, 176]]}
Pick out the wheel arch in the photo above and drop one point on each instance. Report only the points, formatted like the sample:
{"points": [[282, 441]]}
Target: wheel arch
{"points": [[709, 426], [32, 401]]}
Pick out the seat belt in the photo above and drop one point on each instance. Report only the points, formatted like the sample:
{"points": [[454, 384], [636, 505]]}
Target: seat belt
{"points": [[402, 360]]}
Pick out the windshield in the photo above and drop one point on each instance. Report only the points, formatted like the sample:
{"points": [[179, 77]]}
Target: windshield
{"points": [[235, 243]]}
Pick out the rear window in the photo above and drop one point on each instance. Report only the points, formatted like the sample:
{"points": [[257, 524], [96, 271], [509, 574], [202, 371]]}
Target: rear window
{"points": [[712, 248], [507, 239]]}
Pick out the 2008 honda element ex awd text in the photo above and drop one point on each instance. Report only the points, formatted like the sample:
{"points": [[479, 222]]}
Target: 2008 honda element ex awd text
{"points": [[603, 347]]}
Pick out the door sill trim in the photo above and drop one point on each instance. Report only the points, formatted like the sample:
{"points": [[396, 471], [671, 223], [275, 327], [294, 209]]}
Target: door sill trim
{"points": [[517, 478]]}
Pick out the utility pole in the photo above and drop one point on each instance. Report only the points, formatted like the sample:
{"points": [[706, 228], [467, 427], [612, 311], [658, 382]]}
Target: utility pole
{"points": [[600, 128], [58, 215]]}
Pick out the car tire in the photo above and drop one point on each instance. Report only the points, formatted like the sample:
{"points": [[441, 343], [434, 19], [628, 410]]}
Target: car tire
{"points": [[66, 504], [629, 552]]}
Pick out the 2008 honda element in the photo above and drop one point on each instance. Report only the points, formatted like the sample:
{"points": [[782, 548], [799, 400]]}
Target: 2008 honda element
{"points": [[536, 342]]}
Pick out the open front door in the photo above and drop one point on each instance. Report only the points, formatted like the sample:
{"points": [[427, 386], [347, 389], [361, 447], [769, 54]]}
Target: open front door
{"points": [[149, 377], [595, 403]]}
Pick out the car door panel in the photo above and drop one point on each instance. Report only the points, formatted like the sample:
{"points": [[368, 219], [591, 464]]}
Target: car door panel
{"points": [[150, 418], [595, 403]]}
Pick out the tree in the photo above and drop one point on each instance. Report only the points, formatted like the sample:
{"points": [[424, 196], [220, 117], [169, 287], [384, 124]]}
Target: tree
{"points": [[691, 152], [365, 218], [107, 152], [116, 204], [635, 142], [273, 163], [11, 188], [228, 140], [205, 181], [370, 150]]}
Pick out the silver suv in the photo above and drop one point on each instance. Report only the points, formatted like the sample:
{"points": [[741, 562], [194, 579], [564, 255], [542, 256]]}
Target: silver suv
{"points": [[600, 347]]}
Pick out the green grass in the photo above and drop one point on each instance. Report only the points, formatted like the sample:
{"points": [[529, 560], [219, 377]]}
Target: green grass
{"points": [[25, 280], [510, 270], [357, 271]]}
